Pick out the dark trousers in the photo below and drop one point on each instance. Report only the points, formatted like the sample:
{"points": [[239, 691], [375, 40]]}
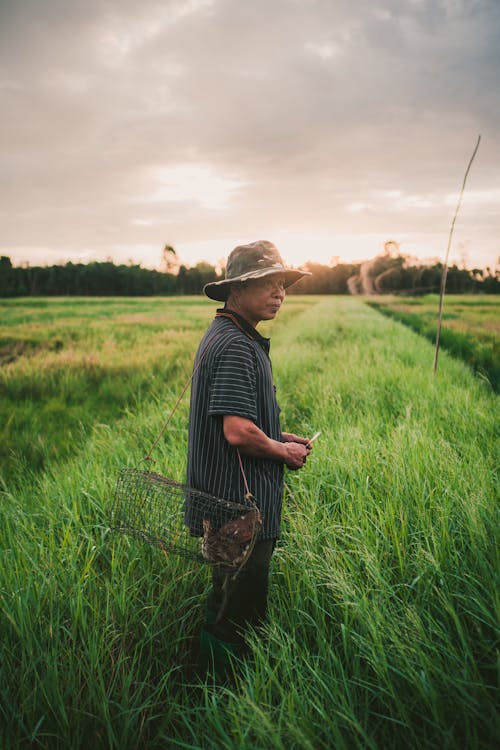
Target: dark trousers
{"points": [[236, 603]]}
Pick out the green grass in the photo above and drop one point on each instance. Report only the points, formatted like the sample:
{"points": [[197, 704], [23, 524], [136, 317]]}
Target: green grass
{"points": [[72, 363], [384, 606], [470, 327]]}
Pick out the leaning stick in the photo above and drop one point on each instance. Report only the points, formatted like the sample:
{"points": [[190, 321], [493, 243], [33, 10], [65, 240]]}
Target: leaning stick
{"points": [[445, 266]]}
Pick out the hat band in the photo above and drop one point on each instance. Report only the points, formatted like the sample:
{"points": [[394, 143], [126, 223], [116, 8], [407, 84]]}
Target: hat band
{"points": [[275, 268]]}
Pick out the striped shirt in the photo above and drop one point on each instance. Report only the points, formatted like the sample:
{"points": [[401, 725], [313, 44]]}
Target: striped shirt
{"points": [[233, 376]]}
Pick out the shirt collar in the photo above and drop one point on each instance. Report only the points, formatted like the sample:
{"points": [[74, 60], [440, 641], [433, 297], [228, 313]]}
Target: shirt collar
{"points": [[248, 329]]}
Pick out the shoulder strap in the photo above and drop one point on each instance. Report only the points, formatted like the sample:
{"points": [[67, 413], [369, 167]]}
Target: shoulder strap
{"points": [[234, 320]]}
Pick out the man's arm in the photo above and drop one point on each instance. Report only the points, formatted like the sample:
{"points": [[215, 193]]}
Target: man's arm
{"points": [[244, 434]]}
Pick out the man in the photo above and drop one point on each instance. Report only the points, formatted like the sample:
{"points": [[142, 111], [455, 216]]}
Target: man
{"points": [[235, 439]]}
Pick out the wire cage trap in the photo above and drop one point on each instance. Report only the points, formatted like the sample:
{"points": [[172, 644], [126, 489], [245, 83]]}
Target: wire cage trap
{"points": [[170, 515]]}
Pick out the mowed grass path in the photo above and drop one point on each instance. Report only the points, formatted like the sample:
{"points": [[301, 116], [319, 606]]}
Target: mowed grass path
{"points": [[384, 608]]}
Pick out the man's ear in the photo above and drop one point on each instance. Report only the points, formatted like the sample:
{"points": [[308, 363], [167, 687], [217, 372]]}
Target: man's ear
{"points": [[234, 292]]}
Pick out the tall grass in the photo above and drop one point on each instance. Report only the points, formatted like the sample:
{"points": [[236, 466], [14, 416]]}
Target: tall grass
{"points": [[383, 621], [72, 363], [470, 327]]}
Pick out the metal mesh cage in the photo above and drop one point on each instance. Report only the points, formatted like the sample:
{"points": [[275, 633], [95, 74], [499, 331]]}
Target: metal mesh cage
{"points": [[170, 515]]}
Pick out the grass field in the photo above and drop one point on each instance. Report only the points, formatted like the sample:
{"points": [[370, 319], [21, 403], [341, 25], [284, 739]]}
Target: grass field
{"points": [[470, 327], [384, 605]]}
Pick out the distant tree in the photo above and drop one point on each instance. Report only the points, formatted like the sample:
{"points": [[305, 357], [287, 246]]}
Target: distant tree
{"points": [[7, 277], [170, 262], [193, 279], [391, 247], [325, 279]]}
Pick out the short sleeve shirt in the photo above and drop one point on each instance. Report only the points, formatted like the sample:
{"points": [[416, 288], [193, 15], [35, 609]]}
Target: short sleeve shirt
{"points": [[233, 376]]}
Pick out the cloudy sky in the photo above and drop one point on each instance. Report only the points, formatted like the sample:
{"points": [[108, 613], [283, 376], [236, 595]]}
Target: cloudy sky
{"points": [[326, 126]]}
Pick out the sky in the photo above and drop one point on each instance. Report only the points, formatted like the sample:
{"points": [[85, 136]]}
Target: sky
{"points": [[326, 126]]}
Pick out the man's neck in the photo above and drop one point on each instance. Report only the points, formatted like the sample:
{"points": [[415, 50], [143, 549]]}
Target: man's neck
{"points": [[242, 323], [233, 306]]}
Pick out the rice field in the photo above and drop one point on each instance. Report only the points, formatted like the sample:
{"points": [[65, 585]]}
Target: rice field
{"points": [[383, 629], [470, 327]]}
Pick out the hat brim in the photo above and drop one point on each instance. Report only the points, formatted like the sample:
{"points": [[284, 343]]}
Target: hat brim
{"points": [[219, 290]]}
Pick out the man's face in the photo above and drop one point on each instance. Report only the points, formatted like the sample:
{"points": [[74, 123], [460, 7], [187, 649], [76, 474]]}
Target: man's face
{"points": [[258, 299]]}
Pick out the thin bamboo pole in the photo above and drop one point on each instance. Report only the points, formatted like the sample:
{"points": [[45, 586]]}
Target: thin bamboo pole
{"points": [[445, 266]]}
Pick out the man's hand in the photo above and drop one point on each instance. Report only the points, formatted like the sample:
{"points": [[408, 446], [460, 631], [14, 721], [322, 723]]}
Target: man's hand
{"points": [[289, 437], [296, 454], [243, 434]]}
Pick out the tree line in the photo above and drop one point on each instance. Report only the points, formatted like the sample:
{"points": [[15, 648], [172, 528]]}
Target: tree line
{"points": [[390, 273], [387, 273], [100, 279]]}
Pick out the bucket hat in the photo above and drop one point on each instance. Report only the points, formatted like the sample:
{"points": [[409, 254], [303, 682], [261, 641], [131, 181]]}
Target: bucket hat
{"points": [[253, 261]]}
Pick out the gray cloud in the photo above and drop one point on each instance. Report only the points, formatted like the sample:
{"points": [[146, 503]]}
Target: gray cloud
{"points": [[305, 115]]}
